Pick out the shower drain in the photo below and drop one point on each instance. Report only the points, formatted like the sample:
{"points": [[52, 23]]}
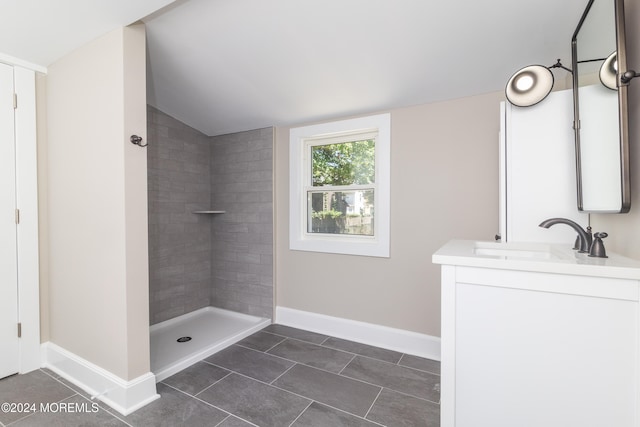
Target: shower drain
{"points": [[184, 339]]}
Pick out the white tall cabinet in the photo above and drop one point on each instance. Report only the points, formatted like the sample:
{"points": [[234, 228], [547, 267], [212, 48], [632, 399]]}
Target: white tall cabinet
{"points": [[19, 272], [538, 170]]}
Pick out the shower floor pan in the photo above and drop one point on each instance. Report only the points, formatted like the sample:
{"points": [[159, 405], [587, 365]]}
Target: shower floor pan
{"points": [[211, 329]]}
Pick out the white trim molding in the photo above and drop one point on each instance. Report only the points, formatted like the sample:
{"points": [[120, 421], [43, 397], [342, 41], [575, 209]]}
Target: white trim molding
{"points": [[27, 229], [300, 176], [123, 396], [400, 340], [12, 60]]}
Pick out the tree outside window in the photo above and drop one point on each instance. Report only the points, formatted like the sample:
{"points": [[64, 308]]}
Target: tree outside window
{"points": [[342, 194], [339, 186]]}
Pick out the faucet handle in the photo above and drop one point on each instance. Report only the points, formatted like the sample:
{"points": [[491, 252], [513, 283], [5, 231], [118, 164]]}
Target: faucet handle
{"points": [[576, 245], [597, 247]]}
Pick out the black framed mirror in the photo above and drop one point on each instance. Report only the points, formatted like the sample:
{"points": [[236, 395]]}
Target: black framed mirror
{"points": [[600, 108]]}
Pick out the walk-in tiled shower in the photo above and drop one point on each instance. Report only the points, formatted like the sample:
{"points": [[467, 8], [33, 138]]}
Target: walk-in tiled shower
{"points": [[210, 238]]}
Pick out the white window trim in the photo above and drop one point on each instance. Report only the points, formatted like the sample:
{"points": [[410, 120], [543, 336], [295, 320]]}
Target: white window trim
{"points": [[299, 239]]}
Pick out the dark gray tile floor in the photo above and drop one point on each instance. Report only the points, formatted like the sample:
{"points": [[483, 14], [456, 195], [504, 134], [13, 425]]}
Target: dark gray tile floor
{"points": [[279, 376]]}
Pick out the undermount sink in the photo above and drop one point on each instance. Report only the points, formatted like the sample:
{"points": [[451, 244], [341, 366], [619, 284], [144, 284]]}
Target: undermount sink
{"points": [[537, 258], [515, 250]]}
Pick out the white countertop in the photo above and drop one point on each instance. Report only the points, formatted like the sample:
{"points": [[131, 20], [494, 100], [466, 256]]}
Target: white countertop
{"points": [[537, 257]]}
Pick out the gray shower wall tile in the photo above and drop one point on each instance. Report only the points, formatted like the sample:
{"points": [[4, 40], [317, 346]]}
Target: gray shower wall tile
{"points": [[198, 260], [179, 241], [242, 185]]}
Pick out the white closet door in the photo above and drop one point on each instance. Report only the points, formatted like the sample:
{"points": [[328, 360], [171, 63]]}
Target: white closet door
{"points": [[9, 342]]}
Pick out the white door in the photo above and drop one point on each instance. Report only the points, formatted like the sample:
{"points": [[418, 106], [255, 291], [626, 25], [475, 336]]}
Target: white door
{"points": [[9, 351]]}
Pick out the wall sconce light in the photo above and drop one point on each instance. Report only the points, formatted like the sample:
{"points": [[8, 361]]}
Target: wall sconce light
{"points": [[531, 84], [609, 71]]}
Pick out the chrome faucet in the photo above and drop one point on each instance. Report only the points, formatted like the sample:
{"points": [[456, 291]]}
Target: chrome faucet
{"points": [[583, 243]]}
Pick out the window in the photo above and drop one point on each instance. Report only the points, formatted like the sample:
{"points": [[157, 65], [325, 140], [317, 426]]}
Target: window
{"points": [[339, 192]]}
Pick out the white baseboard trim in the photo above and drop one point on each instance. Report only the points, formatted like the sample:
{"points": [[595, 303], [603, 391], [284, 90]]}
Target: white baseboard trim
{"points": [[366, 333], [123, 396]]}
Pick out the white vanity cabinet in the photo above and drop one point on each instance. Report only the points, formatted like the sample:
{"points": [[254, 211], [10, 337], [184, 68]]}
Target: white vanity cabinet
{"points": [[543, 337]]}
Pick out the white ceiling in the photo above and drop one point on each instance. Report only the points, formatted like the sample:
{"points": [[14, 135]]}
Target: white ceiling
{"points": [[223, 66], [41, 31]]}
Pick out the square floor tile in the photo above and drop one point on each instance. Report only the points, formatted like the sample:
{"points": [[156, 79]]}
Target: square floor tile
{"points": [[331, 389], [251, 400], [252, 363], [312, 355], [396, 409], [405, 380], [175, 408], [196, 377]]}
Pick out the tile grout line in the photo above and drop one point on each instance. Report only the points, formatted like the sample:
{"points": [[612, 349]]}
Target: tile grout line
{"points": [[280, 376], [379, 385], [417, 369], [102, 408], [323, 403], [223, 420], [20, 419], [239, 344], [57, 379], [345, 366], [400, 360], [323, 370], [352, 352], [108, 411], [213, 406], [299, 395], [373, 403], [251, 349], [207, 387], [311, 344], [326, 337], [338, 350], [300, 414], [323, 344], [397, 364], [382, 360], [392, 389]]}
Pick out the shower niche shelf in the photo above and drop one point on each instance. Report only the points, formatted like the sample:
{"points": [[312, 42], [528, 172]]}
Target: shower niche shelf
{"points": [[209, 212]]}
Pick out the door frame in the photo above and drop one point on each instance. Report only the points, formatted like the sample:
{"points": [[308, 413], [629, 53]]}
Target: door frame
{"points": [[27, 230]]}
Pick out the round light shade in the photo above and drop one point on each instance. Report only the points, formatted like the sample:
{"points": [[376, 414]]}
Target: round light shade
{"points": [[529, 85], [609, 71]]}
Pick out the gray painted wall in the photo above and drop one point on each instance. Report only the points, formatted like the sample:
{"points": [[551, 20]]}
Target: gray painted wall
{"points": [[197, 260]]}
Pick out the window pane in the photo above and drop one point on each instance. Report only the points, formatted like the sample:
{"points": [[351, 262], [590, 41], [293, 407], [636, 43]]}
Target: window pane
{"points": [[341, 212], [346, 163]]}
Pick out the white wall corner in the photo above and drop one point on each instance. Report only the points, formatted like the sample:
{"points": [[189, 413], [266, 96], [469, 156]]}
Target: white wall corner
{"points": [[400, 340], [121, 395]]}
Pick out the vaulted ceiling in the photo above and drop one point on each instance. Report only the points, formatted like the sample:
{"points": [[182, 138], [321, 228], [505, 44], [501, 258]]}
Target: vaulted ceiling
{"points": [[223, 66]]}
